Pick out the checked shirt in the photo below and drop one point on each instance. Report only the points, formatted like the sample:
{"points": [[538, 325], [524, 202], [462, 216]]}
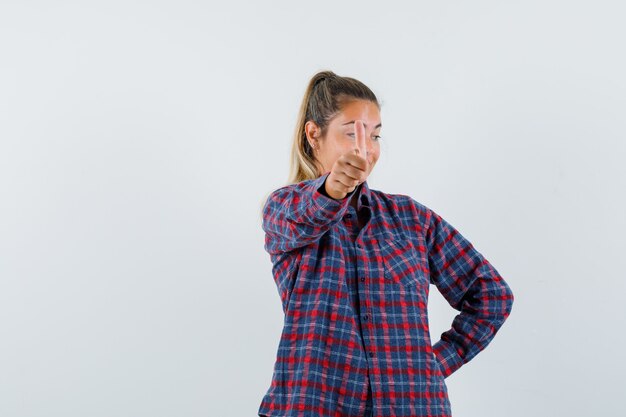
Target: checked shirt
{"points": [[356, 337]]}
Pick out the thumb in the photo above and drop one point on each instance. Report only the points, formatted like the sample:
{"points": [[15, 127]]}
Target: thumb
{"points": [[359, 134]]}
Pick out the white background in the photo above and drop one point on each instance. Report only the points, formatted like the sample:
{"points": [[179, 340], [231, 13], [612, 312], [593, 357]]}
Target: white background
{"points": [[139, 138]]}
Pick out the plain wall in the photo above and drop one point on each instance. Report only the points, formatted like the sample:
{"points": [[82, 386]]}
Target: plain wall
{"points": [[138, 140]]}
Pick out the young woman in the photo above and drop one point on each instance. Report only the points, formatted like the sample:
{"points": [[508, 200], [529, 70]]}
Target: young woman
{"points": [[353, 267]]}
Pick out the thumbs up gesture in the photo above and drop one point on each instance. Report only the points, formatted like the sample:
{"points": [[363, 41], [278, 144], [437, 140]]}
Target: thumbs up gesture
{"points": [[350, 169]]}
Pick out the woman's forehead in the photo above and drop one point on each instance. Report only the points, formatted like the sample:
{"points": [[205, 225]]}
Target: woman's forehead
{"points": [[359, 110]]}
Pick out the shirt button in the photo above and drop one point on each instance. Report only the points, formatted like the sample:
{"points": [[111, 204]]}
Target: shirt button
{"points": [[365, 317], [347, 216], [371, 354], [362, 279]]}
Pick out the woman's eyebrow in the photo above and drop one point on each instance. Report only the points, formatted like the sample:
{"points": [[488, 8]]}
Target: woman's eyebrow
{"points": [[364, 125]]}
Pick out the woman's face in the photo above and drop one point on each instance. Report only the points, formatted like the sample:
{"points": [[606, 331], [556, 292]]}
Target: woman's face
{"points": [[340, 136]]}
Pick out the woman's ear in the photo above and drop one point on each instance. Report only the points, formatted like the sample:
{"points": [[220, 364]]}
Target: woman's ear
{"points": [[312, 133]]}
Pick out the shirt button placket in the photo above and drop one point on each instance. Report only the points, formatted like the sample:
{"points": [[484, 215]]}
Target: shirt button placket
{"points": [[365, 316]]}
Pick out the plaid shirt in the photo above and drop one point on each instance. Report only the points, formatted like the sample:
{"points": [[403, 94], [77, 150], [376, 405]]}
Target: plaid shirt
{"points": [[356, 337]]}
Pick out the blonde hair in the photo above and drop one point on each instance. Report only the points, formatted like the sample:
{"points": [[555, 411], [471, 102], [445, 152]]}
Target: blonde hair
{"points": [[324, 97]]}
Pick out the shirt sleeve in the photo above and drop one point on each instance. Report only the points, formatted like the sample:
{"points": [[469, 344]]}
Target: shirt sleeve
{"points": [[472, 286], [299, 214]]}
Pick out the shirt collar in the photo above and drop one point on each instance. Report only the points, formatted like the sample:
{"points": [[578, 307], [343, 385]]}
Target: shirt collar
{"points": [[365, 195]]}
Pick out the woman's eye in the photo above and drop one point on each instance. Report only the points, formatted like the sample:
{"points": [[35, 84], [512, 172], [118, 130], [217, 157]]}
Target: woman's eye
{"points": [[376, 138]]}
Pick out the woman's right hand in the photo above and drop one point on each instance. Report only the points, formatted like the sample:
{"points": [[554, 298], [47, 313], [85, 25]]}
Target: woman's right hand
{"points": [[350, 169]]}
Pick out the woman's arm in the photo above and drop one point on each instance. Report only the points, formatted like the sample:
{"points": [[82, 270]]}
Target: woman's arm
{"points": [[472, 286], [296, 215]]}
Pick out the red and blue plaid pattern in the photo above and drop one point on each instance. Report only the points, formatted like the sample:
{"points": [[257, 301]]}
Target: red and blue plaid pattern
{"points": [[356, 337]]}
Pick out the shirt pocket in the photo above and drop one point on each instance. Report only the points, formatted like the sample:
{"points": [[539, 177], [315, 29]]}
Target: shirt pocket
{"points": [[401, 263]]}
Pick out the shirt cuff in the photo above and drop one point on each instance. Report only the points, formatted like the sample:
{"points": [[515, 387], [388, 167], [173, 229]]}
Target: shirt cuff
{"points": [[447, 356]]}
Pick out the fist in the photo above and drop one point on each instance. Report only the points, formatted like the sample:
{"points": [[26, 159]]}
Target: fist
{"points": [[350, 169]]}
